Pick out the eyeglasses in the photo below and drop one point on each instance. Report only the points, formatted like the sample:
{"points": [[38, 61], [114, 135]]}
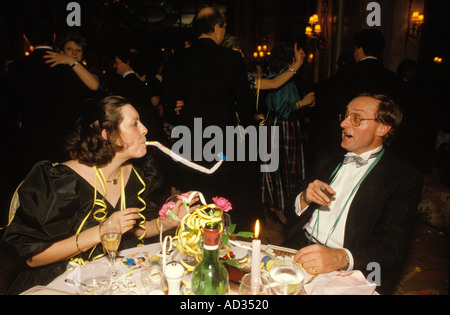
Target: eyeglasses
{"points": [[355, 118]]}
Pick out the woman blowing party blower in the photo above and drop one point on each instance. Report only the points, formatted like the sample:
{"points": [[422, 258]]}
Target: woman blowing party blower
{"points": [[57, 224]]}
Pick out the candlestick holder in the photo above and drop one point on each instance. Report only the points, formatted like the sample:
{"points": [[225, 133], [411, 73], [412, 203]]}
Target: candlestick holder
{"points": [[247, 288]]}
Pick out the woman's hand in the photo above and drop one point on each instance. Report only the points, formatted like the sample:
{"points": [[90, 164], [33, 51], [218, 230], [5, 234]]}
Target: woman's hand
{"points": [[309, 100], [127, 218], [59, 59], [180, 211], [299, 58]]}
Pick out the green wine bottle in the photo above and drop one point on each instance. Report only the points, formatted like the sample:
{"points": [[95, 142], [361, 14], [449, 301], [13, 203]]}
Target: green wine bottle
{"points": [[210, 277]]}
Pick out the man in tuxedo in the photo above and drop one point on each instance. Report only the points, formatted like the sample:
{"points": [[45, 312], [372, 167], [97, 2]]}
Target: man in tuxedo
{"points": [[212, 82], [210, 79], [358, 209], [43, 101], [41, 104], [366, 75]]}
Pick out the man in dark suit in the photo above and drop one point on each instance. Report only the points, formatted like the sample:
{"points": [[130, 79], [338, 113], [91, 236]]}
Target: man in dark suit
{"points": [[41, 104], [368, 213], [43, 100], [134, 90], [212, 82], [210, 79]]}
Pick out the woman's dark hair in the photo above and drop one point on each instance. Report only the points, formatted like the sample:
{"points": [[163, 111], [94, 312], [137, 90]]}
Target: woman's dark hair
{"points": [[86, 143], [281, 56], [75, 37]]}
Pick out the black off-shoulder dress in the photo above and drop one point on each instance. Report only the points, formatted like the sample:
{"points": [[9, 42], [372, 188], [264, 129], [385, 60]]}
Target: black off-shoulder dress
{"points": [[54, 200]]}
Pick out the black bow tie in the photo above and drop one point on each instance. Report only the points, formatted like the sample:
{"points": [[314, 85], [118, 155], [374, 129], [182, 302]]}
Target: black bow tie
{"points": [[359, 160]]}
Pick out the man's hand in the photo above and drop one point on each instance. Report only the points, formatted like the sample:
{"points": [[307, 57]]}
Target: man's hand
{"points": [[316, 192], [317, 259]]}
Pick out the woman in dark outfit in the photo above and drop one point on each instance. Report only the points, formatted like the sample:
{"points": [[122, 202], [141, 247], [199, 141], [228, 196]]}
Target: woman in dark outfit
{"points": [[61, 205]]}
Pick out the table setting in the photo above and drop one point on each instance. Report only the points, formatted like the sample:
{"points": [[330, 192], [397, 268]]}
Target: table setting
{"points": [[173, 265], [136, 279]]}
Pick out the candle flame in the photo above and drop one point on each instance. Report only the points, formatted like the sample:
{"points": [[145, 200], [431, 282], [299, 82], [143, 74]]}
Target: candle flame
{"points": [[257, 229]]}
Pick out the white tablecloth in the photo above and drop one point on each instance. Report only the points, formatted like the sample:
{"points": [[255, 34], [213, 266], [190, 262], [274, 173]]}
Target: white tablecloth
{"points": [[336, 283]]}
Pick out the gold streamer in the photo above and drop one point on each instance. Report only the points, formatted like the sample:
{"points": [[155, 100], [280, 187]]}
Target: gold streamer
{"points": [[142, 223], [190, 230], [101, 213]]}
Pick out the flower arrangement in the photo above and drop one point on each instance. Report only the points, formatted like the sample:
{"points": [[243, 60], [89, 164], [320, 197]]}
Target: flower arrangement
{"points": [[190, 230]]}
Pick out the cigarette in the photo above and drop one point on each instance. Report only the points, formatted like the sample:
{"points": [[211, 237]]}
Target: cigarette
{"points": [[325, 191], [186, 162]]}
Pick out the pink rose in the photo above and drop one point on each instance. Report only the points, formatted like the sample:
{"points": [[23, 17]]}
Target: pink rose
{"points": [[222, 203], [166, 207]]}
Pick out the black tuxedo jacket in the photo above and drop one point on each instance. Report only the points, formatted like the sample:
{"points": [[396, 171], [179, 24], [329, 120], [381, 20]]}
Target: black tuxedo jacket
{"points": [[380, 217], [212, 82], [47, 101]]}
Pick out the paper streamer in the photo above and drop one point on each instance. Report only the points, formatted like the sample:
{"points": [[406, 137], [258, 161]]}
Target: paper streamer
{"points": [[186, 162]]}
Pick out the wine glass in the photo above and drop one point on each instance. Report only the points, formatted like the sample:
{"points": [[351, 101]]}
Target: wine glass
{"points": [[286, 278], [93, 278], [110, 235], [152, 278], [246, 288]]}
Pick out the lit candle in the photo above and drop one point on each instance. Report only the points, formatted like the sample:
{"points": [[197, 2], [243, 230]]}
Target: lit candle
{"points": [[256, 260]]}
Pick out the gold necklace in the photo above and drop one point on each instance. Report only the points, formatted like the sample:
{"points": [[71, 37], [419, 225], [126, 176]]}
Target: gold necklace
{"points": [[114, 181]]}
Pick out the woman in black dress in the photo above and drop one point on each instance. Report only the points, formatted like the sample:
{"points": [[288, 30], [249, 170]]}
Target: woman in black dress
{"points": [[61, 205]]}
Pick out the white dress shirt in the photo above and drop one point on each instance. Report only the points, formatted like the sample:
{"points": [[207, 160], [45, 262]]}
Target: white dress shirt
{"points": [[127, 73], [345, 181]]}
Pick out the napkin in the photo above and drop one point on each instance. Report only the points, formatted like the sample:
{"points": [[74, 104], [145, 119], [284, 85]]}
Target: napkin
{"points": [[341, 283]]}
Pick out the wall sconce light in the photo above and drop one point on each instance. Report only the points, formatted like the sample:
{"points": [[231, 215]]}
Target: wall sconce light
{"points": [[316, 40], [315, 29], [261, 51], [415, 24]]}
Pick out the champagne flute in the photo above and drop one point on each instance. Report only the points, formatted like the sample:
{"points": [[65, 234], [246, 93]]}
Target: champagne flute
{"points": [[286, 278], [110, 235]]}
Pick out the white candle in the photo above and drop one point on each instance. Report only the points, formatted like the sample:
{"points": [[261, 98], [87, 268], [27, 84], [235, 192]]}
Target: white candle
{"points": [[256, 260]]}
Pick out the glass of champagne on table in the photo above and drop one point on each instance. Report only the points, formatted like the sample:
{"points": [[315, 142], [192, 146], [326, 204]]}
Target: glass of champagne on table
{"points": [[110, 235], [286, 278]]}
